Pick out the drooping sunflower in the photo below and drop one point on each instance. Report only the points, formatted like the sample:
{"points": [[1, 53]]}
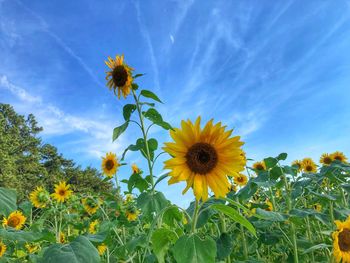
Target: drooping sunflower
{"points": [[260, 166], [341, 241], [2, 249], [62, 192], [15, 220], [309, 166], [241, 179], [39, 197], [204, 158], [135, 169], [32, 248], [110, 164], [90, 205], [120, 76], [339, 156], [93, 227], [298, 164], [132, 214], [101, 249], [326, 159]]}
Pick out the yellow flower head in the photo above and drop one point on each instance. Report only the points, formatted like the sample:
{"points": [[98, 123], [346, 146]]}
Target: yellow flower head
{"points": [[341, 241], [233, 188], [93, 227], [15, 220], [135, 169], [269, 206], [32, 248], [120, 76], [204, 157], [317, 207], [110, 164], [339, 156], [309, 166], [326, 159], [101, 249], [260, 166], [129, 198], [132, 214], [241, 179], [2, 249], [39, 197], [62, 192], [298, 164], [90, 205], [62, 238]]}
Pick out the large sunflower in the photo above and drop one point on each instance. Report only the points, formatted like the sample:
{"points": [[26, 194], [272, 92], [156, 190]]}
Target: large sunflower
{"points": [[341, 241], [39, 197], [339, 156], [241, 180], [62, 192], [2, 249], [16, 220], [120, 76], [204, 158], [326, 159], [308, 165], [110, 164]]}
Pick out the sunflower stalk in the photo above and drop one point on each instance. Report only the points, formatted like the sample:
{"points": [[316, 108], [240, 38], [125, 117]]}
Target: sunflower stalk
{"points": [[195, 216]]}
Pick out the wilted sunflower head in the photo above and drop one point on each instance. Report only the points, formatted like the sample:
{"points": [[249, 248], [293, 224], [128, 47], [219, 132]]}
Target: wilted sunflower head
{"points": [[298, 164], [15, 220], [93, 227], [341, 241], [326, 159], [309, 166], [110, 164], [62, 192], [339, 156], [120, 76], [39, 197], [204, 157], [259, 166], [101, 249], [241, 179], [2, 249]]}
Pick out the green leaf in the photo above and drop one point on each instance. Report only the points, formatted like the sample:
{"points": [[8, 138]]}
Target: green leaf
{"points": [[131, 147], [149, 203], [282, 156], [119, 130], [161, 239], [8, 200], [235, 216], [137, 76], [275, 172], [154, 116], [316, 247], [128, 109], [135, 242], [137, 181], [150, 94], [19, 235], [270, 162], [152, 144], [271, 216], [224, 246], [97, 238], [172, 215], [193, 249], [161, 178], [79, 251]]}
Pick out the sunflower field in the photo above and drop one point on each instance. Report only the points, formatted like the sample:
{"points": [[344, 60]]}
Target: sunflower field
{"points": [[242, 210]]}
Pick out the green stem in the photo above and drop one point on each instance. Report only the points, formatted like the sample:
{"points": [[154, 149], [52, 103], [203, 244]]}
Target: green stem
{"points": [[145, 138], [195, 217], [245, 246]]}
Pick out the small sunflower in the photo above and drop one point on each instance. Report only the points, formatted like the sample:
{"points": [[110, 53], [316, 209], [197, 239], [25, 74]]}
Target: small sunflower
{"points": [[120, 76], [309, 166], [269, 206], [339, 156], [110, 164], [326, 159], [317, 207], [2, 249], [39, 197], [298, 164], [259, 166], [241, 179], [32, 248], [132, 214], [204, 158], [93, 227], [101, 249], [341, 241], [62, 192], [62, 238], [15, 220], [90, 205], [128, 198], [135, 169]]}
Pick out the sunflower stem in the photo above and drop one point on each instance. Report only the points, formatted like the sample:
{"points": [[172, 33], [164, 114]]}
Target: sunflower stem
{"points": [[195, 216], [144, 138], [244, 239]]}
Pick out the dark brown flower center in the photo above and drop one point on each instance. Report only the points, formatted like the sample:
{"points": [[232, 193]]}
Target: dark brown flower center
{"points": [[240, 179], [327, 160], [62, 192], [109, 165], [344, 240], [308, 168], [201, 158], [13, 221], [120, 76], [338, 157], [259, 167]]}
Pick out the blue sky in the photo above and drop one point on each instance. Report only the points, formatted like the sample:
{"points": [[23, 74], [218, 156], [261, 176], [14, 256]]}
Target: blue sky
{"points": [[276, 71]]}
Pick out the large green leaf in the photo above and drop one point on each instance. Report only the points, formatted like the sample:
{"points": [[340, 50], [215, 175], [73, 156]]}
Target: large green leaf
{"points": [[19, 235], [119, 130], [8, 200], [161, 240], [271, 216], [235, 216], [128, 109], [149, 203], [224, 246], [154, 116], [81, 250], [193, 249], [150, 94]]}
